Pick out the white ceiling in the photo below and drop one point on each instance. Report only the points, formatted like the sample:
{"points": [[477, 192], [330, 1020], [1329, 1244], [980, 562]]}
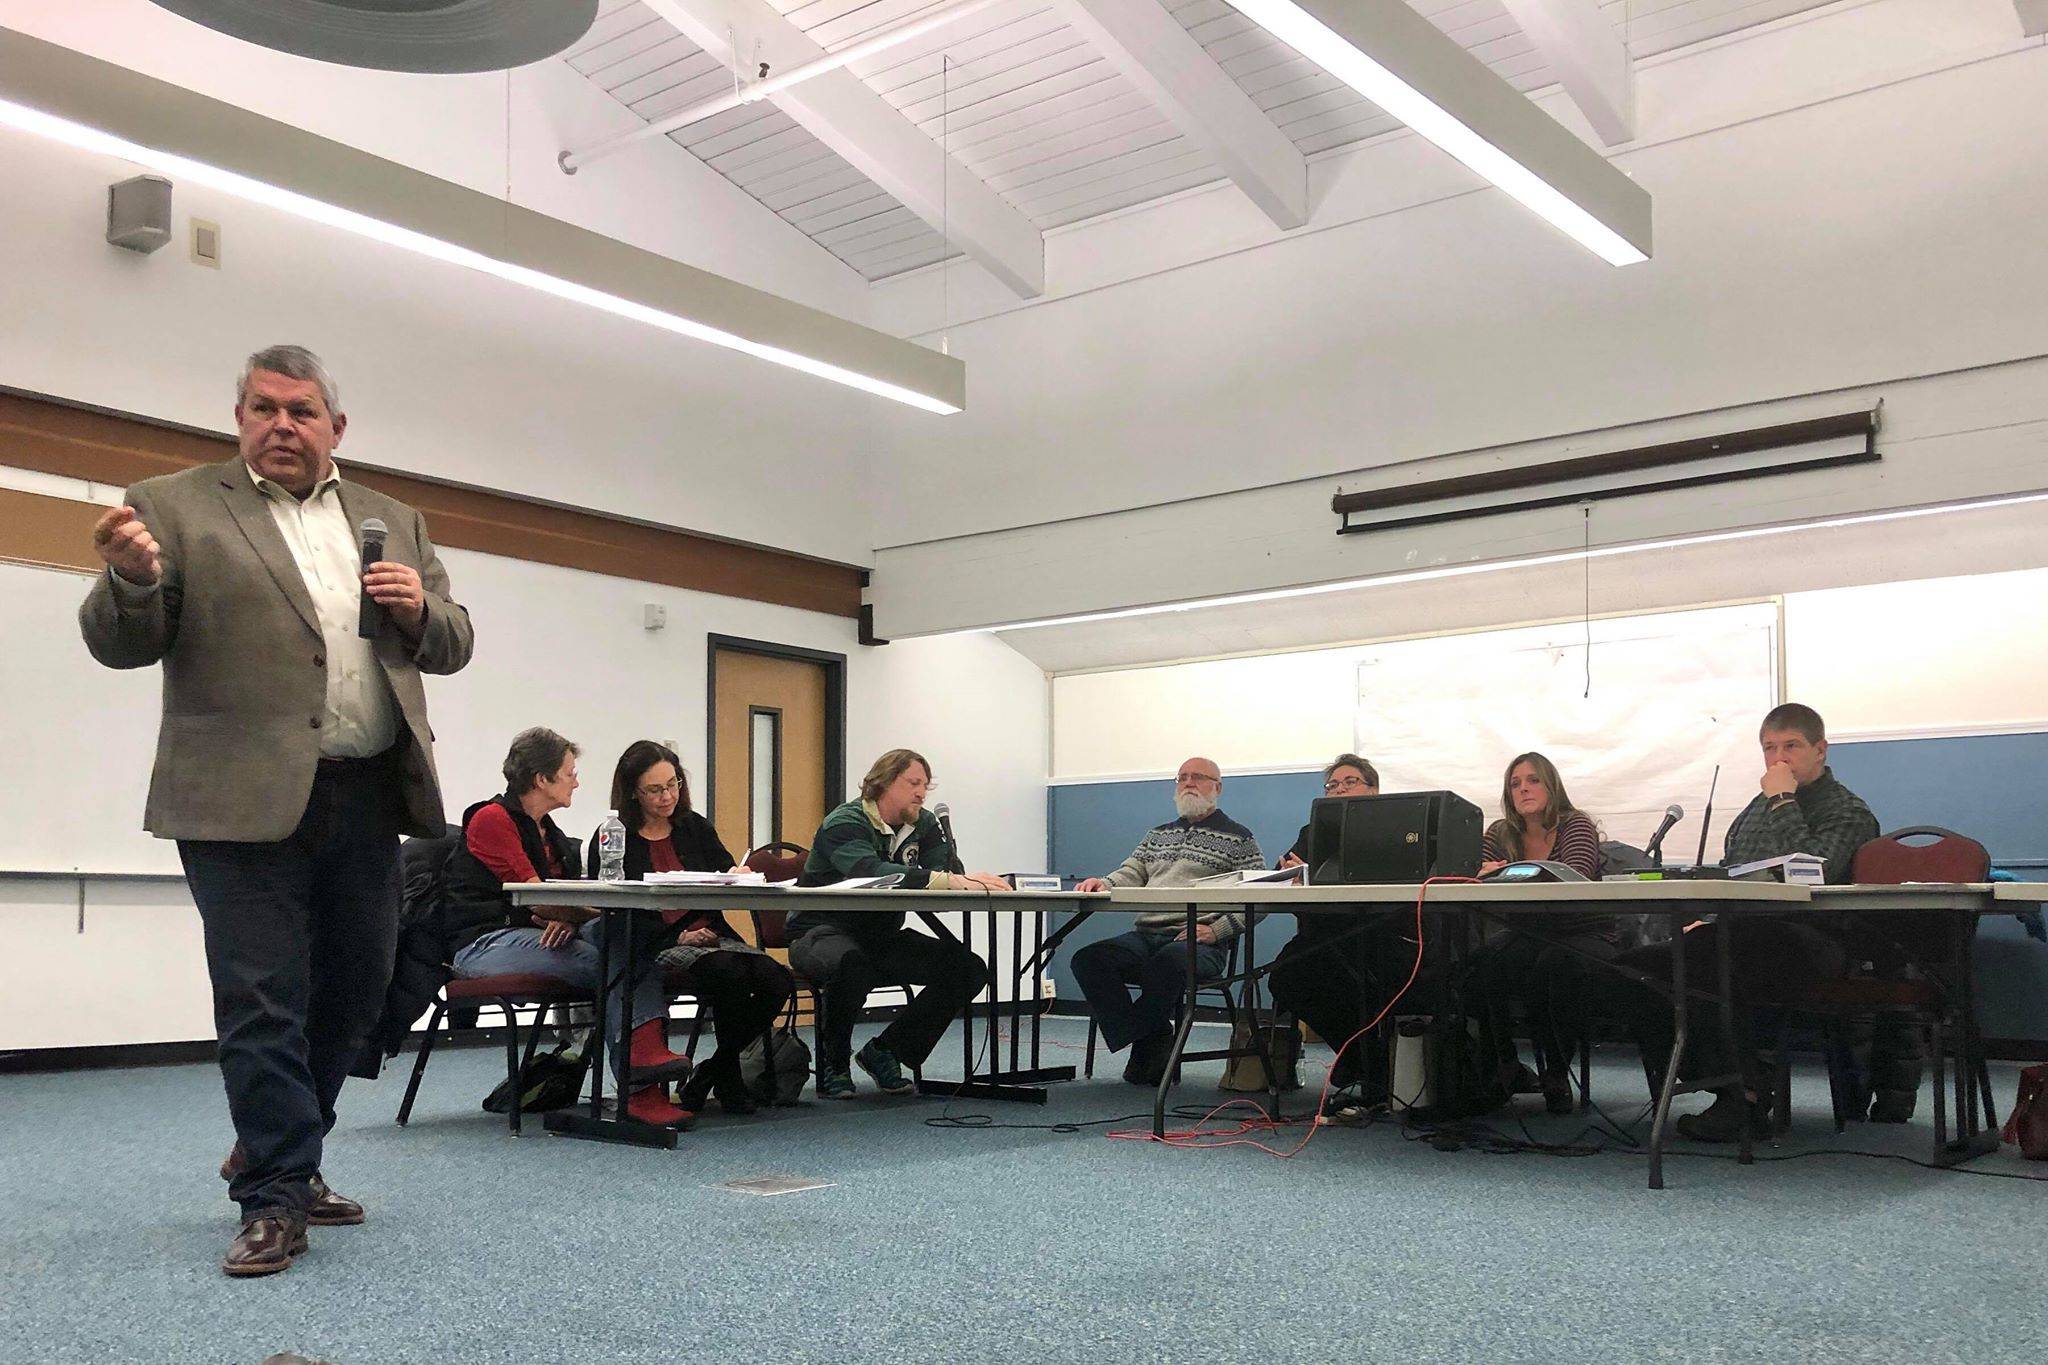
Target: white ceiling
{"points": [[1027, 105]]}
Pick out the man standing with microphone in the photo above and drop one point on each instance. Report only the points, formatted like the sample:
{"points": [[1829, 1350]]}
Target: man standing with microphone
{"points": [[294, 750]]}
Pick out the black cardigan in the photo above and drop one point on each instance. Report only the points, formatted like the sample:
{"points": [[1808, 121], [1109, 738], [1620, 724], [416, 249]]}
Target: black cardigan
{"points": [[698, 847]]}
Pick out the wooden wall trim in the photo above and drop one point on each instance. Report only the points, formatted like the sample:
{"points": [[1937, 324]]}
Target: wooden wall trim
{"points": [[70, 440]]}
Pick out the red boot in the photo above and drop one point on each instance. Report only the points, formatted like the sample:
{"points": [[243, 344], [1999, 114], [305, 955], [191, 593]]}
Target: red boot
{"points": [[648, 1059], [651, 1106]]}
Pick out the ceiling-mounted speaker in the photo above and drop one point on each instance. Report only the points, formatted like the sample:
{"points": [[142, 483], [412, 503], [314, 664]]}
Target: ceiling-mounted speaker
{"points": [[434, 36]]}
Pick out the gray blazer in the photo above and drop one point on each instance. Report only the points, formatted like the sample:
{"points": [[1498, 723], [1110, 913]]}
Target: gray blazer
{"points": [[245, 675]]}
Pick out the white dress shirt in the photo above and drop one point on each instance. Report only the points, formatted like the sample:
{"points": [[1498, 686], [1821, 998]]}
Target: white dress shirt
{"points": [[362, 715]]}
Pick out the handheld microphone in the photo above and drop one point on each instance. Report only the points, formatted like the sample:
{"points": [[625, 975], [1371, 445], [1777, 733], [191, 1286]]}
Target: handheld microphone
{"points": [[1672, 815], [944, 813], [370, 616]]}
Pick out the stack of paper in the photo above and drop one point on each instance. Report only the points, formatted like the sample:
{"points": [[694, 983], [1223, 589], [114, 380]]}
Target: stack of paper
{"points": [[708, 878], [1797, 869]]}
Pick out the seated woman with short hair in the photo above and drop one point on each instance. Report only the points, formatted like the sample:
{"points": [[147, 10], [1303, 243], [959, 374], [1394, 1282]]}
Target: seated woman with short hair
{"points": [[1539, 964], [745, 988], [513, 838]]}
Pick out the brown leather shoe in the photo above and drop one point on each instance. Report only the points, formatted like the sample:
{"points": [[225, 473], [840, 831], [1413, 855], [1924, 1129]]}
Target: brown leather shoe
{"points": [[264, 1246], [235, 1163], [331, 1210]]}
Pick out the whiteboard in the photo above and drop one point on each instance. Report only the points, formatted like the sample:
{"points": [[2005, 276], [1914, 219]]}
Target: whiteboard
{"points": [[1634, 725]]}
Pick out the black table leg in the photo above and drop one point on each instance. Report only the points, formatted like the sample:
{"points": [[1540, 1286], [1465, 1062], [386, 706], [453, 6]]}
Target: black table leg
{"points": [[1180, 1035], [1745, 1148], [569, 1123], [995, 1084], [1680, 1020]]}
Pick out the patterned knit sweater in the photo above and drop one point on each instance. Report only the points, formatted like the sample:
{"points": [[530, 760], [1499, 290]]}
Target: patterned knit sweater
{"points": [[1181, 853]]}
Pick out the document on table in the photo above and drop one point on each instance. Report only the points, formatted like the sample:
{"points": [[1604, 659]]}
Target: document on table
{"points": [[1257, 876], [1795, 869], [707, 878]]}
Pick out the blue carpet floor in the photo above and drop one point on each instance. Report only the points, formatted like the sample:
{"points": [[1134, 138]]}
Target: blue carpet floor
{"points": [[997, 1245]]}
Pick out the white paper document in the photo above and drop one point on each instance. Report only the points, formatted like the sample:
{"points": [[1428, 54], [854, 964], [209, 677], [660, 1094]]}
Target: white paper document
{"points": [[1797, 869], [1257, 874], [707, 878]]}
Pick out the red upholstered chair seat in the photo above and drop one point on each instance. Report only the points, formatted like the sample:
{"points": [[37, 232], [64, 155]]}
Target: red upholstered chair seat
{"points": [[530, 986]]}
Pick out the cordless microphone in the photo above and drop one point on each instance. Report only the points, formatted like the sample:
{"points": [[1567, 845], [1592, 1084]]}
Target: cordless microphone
{"points": [[1672, 815], [370, 617], [944, 813]]}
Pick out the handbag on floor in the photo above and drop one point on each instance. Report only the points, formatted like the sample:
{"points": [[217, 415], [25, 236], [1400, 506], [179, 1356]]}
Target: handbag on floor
{"points": [[776, 1075], [1247, 1072], [2027, 1126], [549, 1080]]}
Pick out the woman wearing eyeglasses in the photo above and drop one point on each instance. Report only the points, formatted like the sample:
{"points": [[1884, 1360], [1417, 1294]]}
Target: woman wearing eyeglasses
{"points": [[1340, 969], [1540, 971], [745, 988]]}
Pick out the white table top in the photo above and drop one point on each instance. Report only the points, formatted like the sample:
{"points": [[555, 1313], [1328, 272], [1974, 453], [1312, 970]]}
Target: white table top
{"points": [[1618, 896], [1621, 896], [893, 900]]}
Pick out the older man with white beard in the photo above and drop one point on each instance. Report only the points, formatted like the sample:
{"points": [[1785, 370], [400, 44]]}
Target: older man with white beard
{"points": [[1201, 842]]}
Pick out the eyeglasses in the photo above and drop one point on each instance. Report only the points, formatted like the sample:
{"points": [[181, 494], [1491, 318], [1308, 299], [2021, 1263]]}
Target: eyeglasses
{"points": [[668, 788], [1185, 778], [1345, 784]]}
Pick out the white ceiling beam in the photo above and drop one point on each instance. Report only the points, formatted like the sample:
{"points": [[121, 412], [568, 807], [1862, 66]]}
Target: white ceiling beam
{"points": [[2033, 17], [1408, 67], [1158, 55], [1586, 54], [840, 110]]}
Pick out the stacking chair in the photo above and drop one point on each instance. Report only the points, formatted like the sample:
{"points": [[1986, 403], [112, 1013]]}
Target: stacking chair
{"points": [[508, 994], [780, 862], [1922, 997], [1225, 989]]}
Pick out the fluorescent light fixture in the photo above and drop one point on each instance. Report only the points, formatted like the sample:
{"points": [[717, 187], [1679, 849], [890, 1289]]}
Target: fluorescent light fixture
{"points": [[1401, 62], [1501, 565], [465, 211]]}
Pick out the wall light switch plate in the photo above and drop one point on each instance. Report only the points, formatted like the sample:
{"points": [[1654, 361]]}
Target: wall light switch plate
{"points": [[206, 243]]}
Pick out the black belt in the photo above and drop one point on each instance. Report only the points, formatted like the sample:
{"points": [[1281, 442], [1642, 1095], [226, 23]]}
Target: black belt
{"points": [[338, 765]]}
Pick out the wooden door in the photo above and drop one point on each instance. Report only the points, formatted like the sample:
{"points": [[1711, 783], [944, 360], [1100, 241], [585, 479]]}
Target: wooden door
{"points": [[769, 725]]}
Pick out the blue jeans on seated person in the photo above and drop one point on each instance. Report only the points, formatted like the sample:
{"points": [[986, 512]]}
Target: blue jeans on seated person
{"points": [[579, 962], [1153, 960]]}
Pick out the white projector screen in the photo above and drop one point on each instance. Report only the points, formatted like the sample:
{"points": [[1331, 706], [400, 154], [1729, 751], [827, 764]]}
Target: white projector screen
{"points": [[1671, 695]]}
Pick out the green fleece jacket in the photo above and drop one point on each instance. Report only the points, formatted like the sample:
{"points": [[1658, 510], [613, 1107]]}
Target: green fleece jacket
{"points": [[855, 841]]}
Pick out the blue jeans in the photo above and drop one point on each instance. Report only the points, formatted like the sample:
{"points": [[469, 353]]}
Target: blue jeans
{"points": [[1154, 961], [579, 962], [300, 938]]}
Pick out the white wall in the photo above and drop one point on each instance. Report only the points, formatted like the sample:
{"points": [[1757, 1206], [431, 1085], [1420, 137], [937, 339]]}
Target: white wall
{"points": [[1931, 656], [656, 195], [554, 646], [1809, 241], [445, 372], [1926, 656]]}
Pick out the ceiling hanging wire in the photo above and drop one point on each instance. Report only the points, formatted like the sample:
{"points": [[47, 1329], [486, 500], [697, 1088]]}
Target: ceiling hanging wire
{"points": [[1586, 544], [945, 204]]}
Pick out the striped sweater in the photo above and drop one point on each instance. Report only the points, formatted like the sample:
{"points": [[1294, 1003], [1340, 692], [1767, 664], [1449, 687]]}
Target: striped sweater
{"points": [[1181, 853]]}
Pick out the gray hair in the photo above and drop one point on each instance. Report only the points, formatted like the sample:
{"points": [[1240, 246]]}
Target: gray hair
{"points": [[293, 362], [535, 754]]}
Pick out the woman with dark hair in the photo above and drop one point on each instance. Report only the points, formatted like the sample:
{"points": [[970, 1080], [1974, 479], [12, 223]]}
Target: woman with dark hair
{"points": [[745, 988], [514, 838], [1541, 970]]}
